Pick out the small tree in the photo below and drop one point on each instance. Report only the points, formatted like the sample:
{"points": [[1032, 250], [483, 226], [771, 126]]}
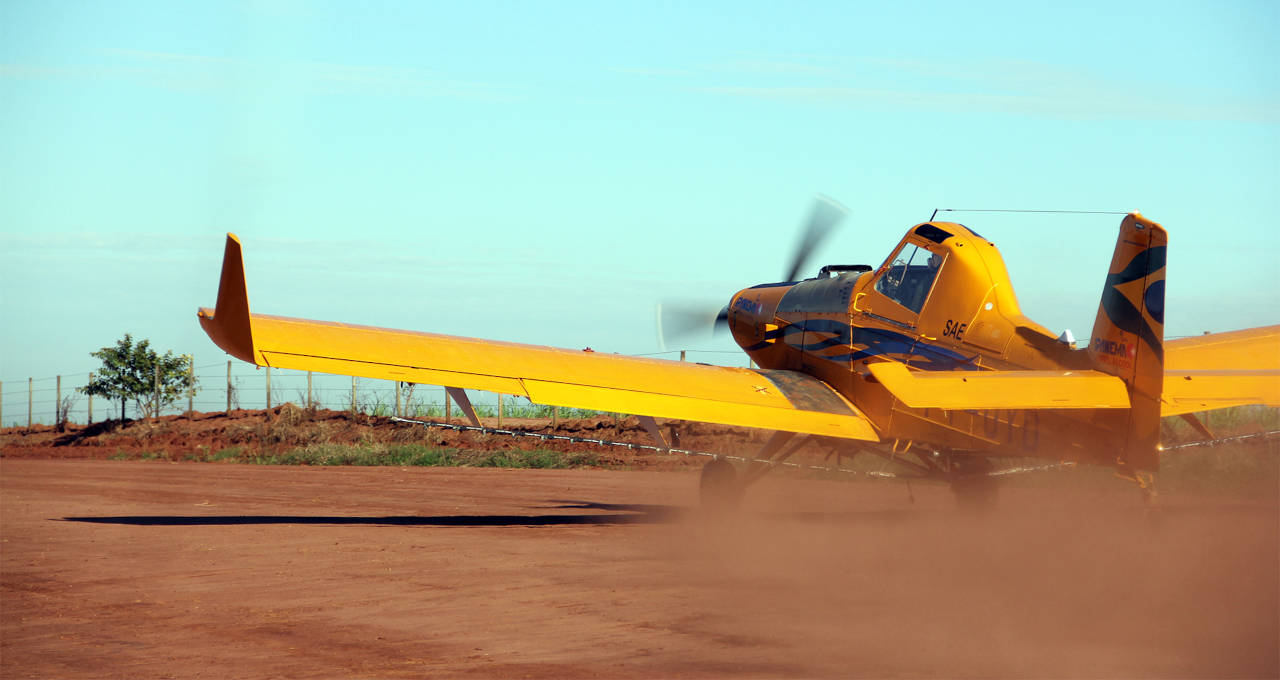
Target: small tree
{"points": [[129, 372], [63, 411]]}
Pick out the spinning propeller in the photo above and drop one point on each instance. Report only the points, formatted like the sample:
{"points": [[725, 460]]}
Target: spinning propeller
{"points": [[825, 215], [678, 320]]}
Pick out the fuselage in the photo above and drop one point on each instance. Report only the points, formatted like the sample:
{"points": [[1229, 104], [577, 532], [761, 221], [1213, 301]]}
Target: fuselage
{"points": [[942, 301]]}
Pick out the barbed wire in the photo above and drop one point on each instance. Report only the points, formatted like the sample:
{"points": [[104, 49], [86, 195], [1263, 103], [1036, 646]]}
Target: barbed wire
{"points": [[1221, 440], [874, 474], [20, 400]]}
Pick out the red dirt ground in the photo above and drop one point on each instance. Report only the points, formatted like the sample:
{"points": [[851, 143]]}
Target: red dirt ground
{"points": [[128, 569]]}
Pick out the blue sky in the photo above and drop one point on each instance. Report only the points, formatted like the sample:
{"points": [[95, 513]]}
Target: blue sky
{"points": [[545, 172]]}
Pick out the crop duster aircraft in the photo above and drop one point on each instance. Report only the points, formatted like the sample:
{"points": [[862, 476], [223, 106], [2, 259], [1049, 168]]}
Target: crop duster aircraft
{"points": [[926, 360]]}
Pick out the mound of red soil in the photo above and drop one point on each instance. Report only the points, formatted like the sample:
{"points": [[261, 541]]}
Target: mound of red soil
{"points": [[288, 427]]}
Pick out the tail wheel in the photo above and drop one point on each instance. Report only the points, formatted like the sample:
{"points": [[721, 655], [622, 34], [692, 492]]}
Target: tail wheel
{"points": [[719, 487], [972, 484]]}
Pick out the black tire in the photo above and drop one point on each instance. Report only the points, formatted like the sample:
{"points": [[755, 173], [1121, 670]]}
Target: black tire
{"points": [[719, 488]]}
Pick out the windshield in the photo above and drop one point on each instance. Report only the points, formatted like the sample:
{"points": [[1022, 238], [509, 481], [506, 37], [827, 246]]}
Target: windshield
{"points": [[910, 278]]}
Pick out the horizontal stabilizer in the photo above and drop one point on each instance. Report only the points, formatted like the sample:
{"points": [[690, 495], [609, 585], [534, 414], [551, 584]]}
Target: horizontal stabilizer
{"points": [[1220, 370], [1001, 389], [1248, 349], [1191, 391]]}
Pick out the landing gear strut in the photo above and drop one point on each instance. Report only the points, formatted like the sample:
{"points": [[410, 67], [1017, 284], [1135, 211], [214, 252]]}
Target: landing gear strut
{"points": [[719, 487], [722, 486], [972, 483]]}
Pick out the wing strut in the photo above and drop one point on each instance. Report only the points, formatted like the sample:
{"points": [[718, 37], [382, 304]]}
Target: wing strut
{"points": [[460, 398], [651, 426]]}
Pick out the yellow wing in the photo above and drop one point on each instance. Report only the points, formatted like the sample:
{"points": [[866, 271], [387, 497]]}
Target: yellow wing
{"points": [[1215, 371], [776, 400], [1001, 389]]}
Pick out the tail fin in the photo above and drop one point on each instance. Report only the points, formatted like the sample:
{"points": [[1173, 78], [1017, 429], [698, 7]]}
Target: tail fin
{"points": [[1128, 335]]}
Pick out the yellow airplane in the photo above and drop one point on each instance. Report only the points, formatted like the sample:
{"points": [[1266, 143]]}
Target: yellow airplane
{"points": [[926, 360]]}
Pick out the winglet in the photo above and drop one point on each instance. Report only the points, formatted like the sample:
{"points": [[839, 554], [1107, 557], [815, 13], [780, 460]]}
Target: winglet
{"points": [[228, 324]]}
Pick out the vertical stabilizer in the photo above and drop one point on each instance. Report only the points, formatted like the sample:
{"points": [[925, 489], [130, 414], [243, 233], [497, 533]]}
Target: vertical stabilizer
{"points": [[1128, 335]]}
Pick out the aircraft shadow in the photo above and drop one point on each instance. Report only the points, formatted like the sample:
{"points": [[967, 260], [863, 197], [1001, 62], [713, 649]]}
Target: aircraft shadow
{"points": [[613, 514], [618, 514]]}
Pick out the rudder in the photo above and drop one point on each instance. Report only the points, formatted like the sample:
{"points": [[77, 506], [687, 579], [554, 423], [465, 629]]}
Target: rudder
{"points": [[1128, 334]]}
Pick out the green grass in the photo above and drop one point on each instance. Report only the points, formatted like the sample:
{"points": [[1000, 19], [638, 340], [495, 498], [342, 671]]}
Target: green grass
{"points": [[140, 455], [230, 453], [424, 456], [511, 408], [516, 409], [418, 455]]}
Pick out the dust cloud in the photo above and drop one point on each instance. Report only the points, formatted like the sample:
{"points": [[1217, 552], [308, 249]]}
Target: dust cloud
{"points": [[1054, 582]]}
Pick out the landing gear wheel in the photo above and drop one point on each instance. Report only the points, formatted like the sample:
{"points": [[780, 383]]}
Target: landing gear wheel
{"points": [[973, 487], [719, 488]]}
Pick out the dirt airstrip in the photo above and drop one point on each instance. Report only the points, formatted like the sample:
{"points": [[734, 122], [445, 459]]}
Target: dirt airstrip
{"points": [[157, 569]]}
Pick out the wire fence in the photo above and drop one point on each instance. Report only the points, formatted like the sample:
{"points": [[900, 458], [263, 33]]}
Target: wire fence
{"points": [[229, 385]]}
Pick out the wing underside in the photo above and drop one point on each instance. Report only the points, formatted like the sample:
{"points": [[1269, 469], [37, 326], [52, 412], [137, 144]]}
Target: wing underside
{"points": [[776, 400]]}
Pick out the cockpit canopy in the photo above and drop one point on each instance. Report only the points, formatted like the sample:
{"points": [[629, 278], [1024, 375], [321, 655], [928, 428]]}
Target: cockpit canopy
{"points": [[910, 277]]}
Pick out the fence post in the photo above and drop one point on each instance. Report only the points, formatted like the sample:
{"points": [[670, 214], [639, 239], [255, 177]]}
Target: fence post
{"points": [[397, 384], [308, 390], [268, 388], [29, 387], [90, 418], [353, 395], [156, 413], [57, 402], [448, 407], [681, 355], [228, 387], [191, 385], [499, 409], [555, 416]]}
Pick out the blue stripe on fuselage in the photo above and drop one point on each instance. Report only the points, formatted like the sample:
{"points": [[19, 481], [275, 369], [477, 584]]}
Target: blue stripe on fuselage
{"points": [[874, 342]]}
